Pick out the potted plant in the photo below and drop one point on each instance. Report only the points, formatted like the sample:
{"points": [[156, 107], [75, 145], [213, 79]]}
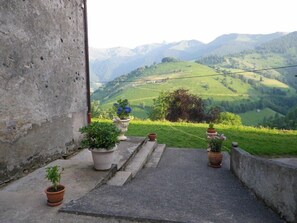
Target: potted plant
{"points": [[100, 138], [122, 109], [211, 128], [215, 156], [54, 193], [152, 136], [211, 131]]}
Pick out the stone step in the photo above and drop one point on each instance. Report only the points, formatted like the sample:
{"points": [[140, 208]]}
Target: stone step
{"points": [[156, 156], [120, 178], [127, 150], [138, 162], [134, 165]]}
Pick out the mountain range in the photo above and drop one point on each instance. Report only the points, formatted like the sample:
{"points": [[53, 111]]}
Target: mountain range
{"points": [[107, 64], [259, 78]]}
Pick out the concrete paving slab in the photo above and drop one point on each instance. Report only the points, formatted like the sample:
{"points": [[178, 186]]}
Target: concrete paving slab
{"points": [[182, 189], [24, 200]]}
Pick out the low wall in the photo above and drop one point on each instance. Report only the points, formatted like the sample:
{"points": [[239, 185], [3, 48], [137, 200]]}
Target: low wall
{"points": [[272, 181]]}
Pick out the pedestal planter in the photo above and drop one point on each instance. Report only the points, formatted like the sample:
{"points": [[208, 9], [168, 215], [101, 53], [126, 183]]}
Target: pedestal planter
{"points": [[103, 158], [122, 125], [55, 198], [215, 159]]}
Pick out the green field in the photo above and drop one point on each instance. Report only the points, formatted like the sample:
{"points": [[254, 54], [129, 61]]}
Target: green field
{"points": [[257, 141], [252, 118]]}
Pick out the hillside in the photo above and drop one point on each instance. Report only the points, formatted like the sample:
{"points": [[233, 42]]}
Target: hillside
{"points": [[279, 52], [144, 84], [107, 64]]}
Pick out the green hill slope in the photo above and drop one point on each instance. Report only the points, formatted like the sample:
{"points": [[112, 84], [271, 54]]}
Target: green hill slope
{"points": [[141, 86]]}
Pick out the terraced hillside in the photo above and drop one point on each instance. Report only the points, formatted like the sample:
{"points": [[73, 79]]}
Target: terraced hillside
{"points": [[141, 86]]}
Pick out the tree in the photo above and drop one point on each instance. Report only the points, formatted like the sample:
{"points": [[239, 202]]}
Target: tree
{"points": [[160, 107], [185, 106], [169, 59], [228, 118]]}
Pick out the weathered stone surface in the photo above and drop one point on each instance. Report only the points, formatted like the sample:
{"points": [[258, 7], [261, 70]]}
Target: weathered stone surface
{"points": [[273, 181], [42, 82], [182, 189]]}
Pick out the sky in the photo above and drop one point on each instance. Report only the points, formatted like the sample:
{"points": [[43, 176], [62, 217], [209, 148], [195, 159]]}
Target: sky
{"points": [[130, 23]]}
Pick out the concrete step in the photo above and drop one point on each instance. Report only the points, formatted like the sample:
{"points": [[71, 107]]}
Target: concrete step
{"points": [[120, 178], [134, 165], [127, 150], [137, 163], [155, 158]]}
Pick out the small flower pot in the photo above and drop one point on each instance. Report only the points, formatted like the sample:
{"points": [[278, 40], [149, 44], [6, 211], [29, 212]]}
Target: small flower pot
{"points": [[152, 136], [55, 198]]}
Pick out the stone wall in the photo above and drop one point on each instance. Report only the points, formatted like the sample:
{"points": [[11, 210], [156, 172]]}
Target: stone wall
{"points": [[272, 181], [43, 90]]}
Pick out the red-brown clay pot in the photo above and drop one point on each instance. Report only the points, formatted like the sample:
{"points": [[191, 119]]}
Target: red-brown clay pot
{"points": [[55, 198], [215, 159], [152, 136]]}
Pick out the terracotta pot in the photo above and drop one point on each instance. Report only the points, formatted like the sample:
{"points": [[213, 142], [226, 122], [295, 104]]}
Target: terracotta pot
{"points": [[152, 136], [103, 159], [211, 130], [55, 198], [215, 159]]}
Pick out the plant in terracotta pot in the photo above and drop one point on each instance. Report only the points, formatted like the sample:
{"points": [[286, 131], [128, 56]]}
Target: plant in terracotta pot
{"points": [[152, 136], [211, 131], [215, 156], [54, 193], [122, 109], [211, 128], [100, 138]]}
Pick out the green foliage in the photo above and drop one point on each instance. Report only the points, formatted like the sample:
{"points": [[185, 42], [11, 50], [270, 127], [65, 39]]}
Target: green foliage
{"points": [[228, 118], [53, 174], [215, 142], [181, 105], [98, 112], [99, 135], [211, 125], [122, 108], [169, 59], [160, 107], [95, 109], [185, 106], [283, 122]]}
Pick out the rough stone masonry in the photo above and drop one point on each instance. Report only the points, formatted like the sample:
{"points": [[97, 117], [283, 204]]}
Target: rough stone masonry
{"points": [[43, 98]]}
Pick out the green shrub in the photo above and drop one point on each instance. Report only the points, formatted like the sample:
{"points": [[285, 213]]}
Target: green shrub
{"points": [[228, 118], [99, 135], [53, 174]]}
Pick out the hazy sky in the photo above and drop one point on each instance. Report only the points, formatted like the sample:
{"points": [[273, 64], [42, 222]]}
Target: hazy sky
{"points": [[129, 23]]}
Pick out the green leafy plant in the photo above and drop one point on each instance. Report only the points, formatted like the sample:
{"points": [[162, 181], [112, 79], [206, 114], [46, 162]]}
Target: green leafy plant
{"points": [[53, 174], [99, 135], [211, 125], [122, 108], [215, 142]]}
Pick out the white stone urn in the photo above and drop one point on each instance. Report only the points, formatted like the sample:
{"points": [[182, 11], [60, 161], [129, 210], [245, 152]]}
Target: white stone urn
{"points": [[122, 125], [103, 158]]}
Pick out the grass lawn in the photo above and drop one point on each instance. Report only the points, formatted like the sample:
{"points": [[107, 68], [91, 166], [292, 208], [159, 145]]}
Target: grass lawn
{"points": [[257, 141]]}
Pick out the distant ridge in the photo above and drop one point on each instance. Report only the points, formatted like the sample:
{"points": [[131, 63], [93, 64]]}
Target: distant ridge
{"points": [[107, 64]]}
